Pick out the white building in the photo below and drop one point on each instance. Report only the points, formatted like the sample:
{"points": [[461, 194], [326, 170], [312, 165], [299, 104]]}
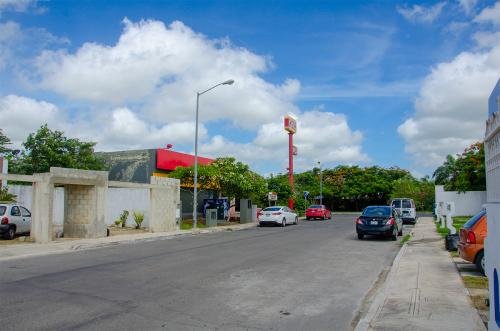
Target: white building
{"points": [[492, 249]]}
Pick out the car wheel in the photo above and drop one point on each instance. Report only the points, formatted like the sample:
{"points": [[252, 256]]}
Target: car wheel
{"points": [[296, 221], [480, 263], [283, 222], [360, 236], [400, 233], [394, 235], [308, 218], [261, 225], [11, 233]]}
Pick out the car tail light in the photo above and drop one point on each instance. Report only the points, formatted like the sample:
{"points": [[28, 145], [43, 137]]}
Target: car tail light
{"points": [[5, 220], [390, 221], [471, 237], [359, 221], [278, 213], [259, 214]]}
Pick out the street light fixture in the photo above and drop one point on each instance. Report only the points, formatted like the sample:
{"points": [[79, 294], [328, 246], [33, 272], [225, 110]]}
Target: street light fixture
{"points": [[195, 181], [320, 184]]}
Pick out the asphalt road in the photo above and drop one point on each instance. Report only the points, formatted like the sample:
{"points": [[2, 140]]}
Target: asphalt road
{"points": [[311, 276]]}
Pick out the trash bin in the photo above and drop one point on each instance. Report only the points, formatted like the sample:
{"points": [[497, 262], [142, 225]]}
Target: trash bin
{"points": [[451, 242]]}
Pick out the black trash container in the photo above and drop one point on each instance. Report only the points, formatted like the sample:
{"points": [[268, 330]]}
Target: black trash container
{"points": [[451, 242]]}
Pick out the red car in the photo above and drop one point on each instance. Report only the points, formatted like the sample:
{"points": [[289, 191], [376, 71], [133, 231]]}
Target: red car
{"points": [[318, 211]]}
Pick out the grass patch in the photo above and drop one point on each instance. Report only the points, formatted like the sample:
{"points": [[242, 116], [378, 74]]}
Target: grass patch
{"points": [[405, 239], [188, 224], [454, 254], [458, 222], [475, 282]]}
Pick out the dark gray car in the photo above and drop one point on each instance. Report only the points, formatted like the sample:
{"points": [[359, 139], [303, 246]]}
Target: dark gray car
{"points": [[379, 220]]}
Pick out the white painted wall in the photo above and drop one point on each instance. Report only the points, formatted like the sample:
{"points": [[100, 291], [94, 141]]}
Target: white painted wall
{"points": [[119, 199], [466, 204]]}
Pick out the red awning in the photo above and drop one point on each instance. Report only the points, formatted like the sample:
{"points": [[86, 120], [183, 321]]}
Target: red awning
{"points": [[169, 160]]}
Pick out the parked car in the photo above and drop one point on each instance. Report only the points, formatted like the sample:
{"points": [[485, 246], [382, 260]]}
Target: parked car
{"points": [[277, 215], [379, 220], [318, 211], [406, 208], [14, 219], [471, 239]]}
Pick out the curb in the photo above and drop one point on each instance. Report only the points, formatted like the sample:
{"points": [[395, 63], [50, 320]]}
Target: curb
{"points": [[67, 247], [376, 303]]}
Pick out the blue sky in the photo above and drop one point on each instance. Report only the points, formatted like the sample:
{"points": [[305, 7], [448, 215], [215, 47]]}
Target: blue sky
{"points": [[370, 82]]}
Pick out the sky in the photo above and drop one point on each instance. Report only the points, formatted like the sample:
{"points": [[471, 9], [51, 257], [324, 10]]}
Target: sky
{"points": [[384, 83]]}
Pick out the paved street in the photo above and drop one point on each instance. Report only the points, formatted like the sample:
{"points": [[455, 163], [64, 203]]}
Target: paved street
{"points": [[307, 277]]}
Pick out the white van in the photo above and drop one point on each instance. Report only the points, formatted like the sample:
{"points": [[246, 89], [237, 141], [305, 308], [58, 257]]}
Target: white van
{"points": [[406, 208]]}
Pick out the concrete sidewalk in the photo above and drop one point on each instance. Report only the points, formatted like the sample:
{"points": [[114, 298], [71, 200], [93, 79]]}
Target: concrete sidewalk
{"points": [[62, 245], [423, 290]]}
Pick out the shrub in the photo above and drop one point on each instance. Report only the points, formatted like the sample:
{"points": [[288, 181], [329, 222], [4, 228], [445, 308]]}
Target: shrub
{"points": [[138, 218], [123, 218], [5, 196]]}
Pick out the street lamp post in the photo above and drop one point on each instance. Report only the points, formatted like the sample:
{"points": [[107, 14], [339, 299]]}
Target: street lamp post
{"points": [[195, 181], [320, 184]]}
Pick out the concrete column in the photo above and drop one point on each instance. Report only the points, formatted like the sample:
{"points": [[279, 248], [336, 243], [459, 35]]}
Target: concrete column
{"points": [[41, 221], [164, 199]]}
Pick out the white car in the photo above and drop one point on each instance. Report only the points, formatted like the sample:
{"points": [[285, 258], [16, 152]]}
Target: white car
{"points": [[406, 208], [277, 215], [14, 219]]}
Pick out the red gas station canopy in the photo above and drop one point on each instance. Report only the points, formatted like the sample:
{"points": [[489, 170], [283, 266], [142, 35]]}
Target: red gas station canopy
{"points": [[169, 160]]}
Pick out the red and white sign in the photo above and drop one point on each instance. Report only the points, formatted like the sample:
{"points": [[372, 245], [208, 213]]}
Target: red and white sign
{"points": [[290, 124]]}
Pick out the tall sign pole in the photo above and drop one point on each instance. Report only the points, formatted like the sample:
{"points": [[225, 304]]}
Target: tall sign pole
{"points": [[290, 125]]}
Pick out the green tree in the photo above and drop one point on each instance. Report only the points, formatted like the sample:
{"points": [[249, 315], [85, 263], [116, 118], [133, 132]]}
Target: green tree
{"points": [[229, 177], [46, 148], [421, 191], [4, 141], [466, 172]]}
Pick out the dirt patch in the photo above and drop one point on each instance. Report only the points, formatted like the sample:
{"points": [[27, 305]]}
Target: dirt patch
{"points": [[118, 231], [17, 241]]}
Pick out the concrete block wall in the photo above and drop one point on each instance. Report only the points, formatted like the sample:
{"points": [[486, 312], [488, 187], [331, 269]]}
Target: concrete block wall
{"points": [[80, 210]]}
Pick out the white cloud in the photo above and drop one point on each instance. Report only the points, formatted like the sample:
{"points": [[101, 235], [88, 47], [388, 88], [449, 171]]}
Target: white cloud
{"points": [[15, 5], [486, 39], [321, 136], [18, 45], [126, 130], [19, 116], [163, 67], [489, 15], [421, 14], [141, 93], [467, 5], [452, 107]]}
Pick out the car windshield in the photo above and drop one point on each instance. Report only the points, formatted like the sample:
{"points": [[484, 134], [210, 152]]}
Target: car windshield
{"points": [[396, 203], [473, 220], [272, 209], [315, 206], [406, 204], [2, 210], [377, 211]]}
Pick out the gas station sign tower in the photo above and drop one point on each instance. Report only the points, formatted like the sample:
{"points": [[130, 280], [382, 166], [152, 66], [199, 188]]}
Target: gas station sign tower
{"points": [[290, 125]]}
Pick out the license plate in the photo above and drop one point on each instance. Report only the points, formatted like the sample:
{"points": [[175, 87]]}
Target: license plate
{"points": [[373, 222]]}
